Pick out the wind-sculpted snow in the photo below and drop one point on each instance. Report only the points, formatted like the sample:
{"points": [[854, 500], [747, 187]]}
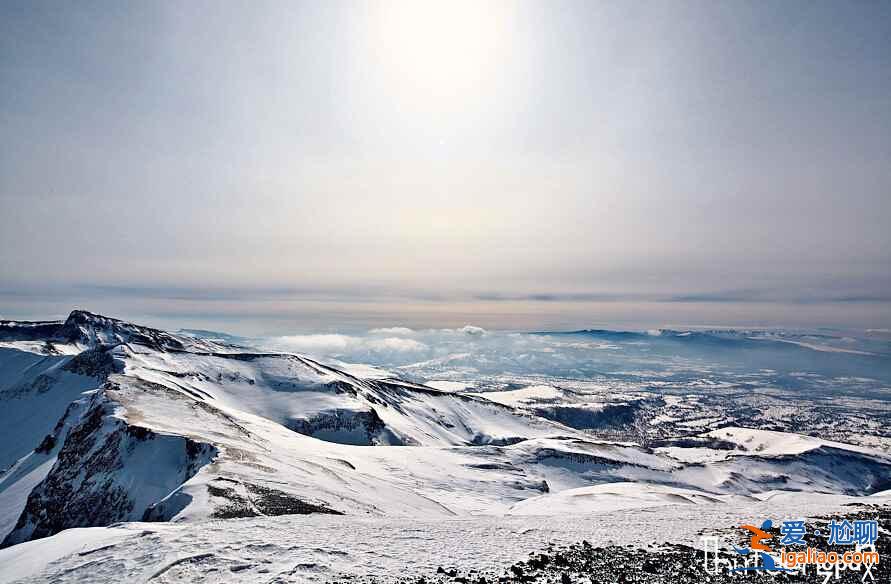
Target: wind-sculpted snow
{"points": [[121, 422], [329, 548]]}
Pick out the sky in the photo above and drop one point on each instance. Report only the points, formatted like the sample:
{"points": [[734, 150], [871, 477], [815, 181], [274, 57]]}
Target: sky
{"points": [[263, 167]]}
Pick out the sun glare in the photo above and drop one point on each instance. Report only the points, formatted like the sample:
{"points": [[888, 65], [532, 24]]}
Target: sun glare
{"points": [[440, 51]]}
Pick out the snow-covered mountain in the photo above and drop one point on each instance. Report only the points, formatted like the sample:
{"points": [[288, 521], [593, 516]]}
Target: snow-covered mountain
{"points": [[103, 421]]}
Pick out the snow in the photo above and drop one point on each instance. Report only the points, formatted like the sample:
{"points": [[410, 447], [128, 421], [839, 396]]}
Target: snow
{"points": [[31, 558], [821, 348], [21, 480], [770, 443], [190, 428], [363, 371], [34, 392], [609, 497], [692, 455], [462, 461], [527, 394], [318, 548], [446, 385]]}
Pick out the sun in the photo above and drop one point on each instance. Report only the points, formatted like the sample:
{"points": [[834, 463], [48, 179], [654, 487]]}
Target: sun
{"points": [[438, 51]]}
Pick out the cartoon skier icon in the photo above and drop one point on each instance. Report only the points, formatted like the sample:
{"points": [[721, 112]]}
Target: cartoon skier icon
{"points": [[758, 535]]}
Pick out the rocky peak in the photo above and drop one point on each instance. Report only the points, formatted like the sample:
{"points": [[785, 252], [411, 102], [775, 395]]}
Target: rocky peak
{"points": [[96, 330], [85, 317]]}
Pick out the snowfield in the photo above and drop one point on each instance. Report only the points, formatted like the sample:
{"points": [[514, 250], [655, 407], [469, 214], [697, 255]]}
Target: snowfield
{"points": [[136, 454], [318, 548]]}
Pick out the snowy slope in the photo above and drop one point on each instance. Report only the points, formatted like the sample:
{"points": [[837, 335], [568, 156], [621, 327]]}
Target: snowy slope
{"points": [[768, 443], [35, 390], [125, 423], [610, 497], [322, 548]]}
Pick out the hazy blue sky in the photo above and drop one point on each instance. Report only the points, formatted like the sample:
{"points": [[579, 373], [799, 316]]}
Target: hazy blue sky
{"points": [[513, 164]]}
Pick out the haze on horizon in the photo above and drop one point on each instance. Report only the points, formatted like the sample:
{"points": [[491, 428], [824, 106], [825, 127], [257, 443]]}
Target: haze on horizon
{"points": [[512, 164]]}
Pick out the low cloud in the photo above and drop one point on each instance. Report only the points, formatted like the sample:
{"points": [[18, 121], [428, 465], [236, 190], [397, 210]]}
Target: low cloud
{"points": [[397, 344], [472, 330], [370, 348], [393, 330]]}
